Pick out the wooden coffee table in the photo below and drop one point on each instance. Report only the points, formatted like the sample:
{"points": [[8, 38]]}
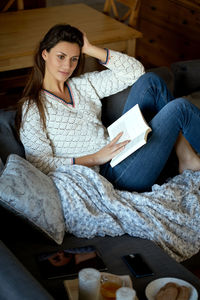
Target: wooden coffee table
{"points": [[20, 31], [29, 243], [113, 248]]}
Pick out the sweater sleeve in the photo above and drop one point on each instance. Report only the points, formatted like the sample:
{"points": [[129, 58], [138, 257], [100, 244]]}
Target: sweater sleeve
{"points": [[122, 71], [38, 148]]}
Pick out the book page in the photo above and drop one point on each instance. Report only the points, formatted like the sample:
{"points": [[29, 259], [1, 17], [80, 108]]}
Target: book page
{"points": [[134, 128], [131, 147]]}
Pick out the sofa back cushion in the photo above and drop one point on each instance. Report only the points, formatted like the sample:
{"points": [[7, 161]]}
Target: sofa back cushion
{"points": [[186, 76], [9, 142], [112, 106]]}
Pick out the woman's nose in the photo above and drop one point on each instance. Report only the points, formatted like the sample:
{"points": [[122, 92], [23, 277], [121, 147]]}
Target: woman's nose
{"points": [[67, 64]]}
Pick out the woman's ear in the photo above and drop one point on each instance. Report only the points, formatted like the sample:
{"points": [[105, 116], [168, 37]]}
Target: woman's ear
{"points": [[44, 54]]}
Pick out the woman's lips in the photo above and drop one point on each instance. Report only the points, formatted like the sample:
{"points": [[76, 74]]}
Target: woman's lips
{"points": [[64, 73]]}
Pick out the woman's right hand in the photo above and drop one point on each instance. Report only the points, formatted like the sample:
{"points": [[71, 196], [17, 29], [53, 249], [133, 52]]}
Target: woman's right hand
{"points": [[110, 150], [103, 155]]}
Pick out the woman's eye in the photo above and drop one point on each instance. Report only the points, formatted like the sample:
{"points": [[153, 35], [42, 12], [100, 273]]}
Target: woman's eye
{"points": [[75, 59], [61, 57]]}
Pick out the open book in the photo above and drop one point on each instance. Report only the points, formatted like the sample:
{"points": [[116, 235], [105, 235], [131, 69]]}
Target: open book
{"points": [[134, 128]]}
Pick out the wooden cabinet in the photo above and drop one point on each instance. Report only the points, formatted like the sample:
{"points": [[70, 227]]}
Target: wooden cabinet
{"points": [[171, 31]]}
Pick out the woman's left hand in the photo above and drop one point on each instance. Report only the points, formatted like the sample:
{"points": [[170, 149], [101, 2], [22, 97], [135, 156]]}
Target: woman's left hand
{"points": [[92, 50]]}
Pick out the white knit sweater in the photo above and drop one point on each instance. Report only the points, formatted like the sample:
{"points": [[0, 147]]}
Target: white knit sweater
{"points": [[75, 129]]}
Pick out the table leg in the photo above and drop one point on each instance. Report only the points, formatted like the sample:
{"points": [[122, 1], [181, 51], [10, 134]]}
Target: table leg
{"points": [[131, 47]]}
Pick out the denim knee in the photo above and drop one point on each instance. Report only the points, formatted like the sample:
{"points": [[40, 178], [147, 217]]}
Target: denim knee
{"points": [[151, 77], [181, 108], [181, 104]]}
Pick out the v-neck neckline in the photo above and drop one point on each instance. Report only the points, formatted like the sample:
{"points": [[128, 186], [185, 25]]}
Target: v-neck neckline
{"points": [[71, 103]]}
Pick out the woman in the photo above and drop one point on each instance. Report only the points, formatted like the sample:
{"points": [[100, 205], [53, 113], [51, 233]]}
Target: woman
{"points": [[60, 113]]}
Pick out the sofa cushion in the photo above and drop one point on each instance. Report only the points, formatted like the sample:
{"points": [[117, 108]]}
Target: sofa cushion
{"points": [[1, 165], [9, 143], [186, 76], [112, 106], [31, 194]]}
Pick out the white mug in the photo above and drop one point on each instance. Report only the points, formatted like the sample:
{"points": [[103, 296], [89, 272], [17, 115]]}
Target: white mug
{"points": [[89, 284], [125, 293]]}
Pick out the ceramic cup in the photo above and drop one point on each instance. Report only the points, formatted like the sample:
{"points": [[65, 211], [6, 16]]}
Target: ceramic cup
{"points": [[89, 284]]}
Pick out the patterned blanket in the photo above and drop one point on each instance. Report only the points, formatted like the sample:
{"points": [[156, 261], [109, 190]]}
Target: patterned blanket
{"points": [[169, 215]]}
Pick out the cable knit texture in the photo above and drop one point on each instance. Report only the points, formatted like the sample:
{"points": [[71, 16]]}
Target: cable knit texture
{"points": [[169, 215], [75, 129]]}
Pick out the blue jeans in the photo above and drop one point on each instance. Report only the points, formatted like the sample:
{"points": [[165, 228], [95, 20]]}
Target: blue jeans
{"points": [[167, 118]]}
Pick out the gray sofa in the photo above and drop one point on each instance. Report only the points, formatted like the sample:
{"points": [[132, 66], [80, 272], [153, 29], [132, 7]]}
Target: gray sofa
{"points": [[24, 240]]}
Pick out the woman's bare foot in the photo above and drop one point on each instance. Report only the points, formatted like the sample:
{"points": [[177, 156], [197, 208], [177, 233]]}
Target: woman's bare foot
{"points": [[188, 159]]}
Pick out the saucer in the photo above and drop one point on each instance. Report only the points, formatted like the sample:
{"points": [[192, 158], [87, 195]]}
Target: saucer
{"points": [[154, 286]]}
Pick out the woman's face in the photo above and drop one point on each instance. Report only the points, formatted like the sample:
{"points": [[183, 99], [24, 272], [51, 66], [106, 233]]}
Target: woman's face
{"points": [[61, 60]]}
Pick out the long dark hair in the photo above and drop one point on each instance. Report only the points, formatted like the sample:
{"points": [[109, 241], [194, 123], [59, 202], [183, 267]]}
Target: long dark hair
{"points": [[32, 90]]}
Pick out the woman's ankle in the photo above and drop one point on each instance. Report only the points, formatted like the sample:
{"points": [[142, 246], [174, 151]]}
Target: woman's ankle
{"points": [[192, 163]]}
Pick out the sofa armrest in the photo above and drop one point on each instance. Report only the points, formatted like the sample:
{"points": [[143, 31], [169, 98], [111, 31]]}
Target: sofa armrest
{"points": [[16, 282]]}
